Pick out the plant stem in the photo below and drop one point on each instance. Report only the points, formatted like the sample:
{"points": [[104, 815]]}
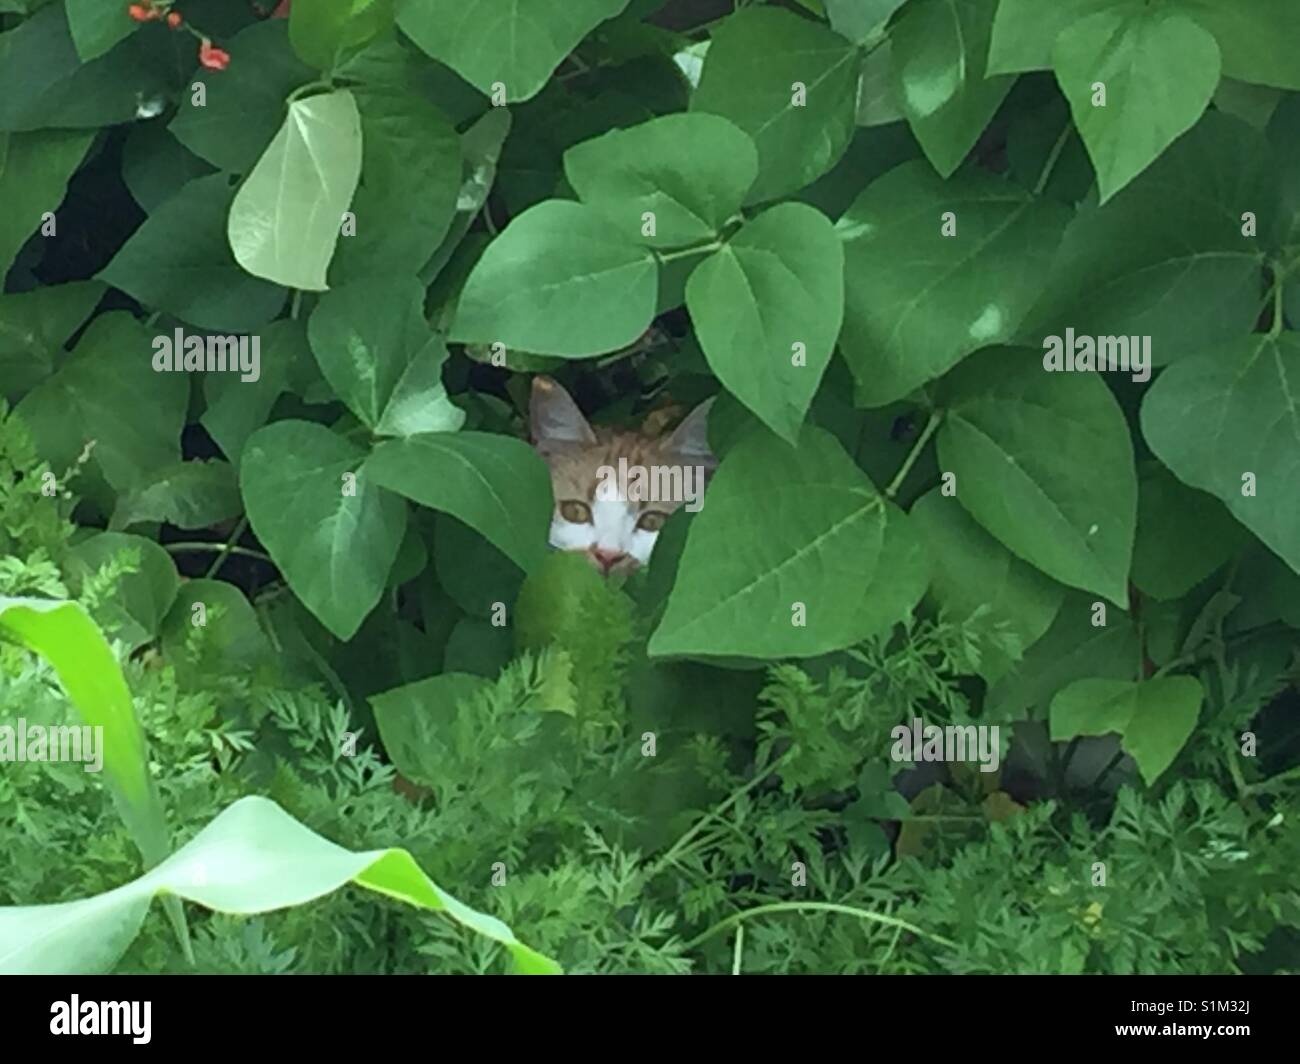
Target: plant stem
{"points": [[914, 454], [694, 249], [812, 906], [1052, 157], [740, 945], [185, 548]]}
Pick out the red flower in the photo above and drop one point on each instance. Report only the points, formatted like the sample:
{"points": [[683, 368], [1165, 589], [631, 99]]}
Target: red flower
{"points": [[173, 20], [212, 57], [138, 12]]}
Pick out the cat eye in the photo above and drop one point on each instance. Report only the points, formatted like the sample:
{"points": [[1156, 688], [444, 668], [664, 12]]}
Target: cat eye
{"points": [[651, 521], [578, 513]]}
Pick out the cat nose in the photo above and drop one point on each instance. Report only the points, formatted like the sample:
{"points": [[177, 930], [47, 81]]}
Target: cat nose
{"points": [[607, 559]]}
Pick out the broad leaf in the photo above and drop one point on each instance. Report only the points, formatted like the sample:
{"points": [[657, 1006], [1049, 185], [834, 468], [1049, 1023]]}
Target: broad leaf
{"points": [[514, 43], [253, 858], [97, 25], [1044, 462], [560, 280], [939, 48], [34, 172], [142, 598], [1025, 30], [1260, 40], [286, 217], [1154, 718], [1228, 422], [1158, 70], [188, 495], [856, 19], [690, 172], [767, 308], [34, 327], [330, 528], [787, 82], [322, 30], [495, 484], [917, 301]]}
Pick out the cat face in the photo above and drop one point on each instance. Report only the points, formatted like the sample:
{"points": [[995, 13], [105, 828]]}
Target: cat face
{"points": [[614, 490]]}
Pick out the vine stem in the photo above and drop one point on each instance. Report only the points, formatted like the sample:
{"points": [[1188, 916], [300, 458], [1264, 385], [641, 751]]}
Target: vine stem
{"points": [[812, 906], [1052, 157], [930, 427], [695, 249]]}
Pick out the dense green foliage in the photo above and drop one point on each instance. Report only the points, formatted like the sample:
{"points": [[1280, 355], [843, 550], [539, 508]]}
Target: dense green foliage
{"points": [[322, 578]]}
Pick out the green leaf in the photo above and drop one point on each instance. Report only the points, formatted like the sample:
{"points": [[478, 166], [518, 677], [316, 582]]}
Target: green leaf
{"points": [[321, 30], [188, 495], [471, 570], [1073, 648], [1044, 462], [857, 19], [1231, 412], [1166, 258], [495, 484], [64, 634], [560, 280], [939, 50], [97, 25], [756, 62], [822, 538], [410, 169], [690, 171], [1155, 718], [253, 858], [34, 173], [417, 723], [515, 43], [1025, 30], [286, 217], [33, 328], [108, 373], [155, 165], [974, 572], [333, 536], [1159, 70], [239, 116], [907, 318], [1260, 40], [194, 277], [381, 358], [767, 307], [1168, 563], [231, 636], [142, 598]]}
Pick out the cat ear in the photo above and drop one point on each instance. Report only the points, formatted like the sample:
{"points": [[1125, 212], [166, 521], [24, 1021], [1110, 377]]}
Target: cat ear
{"points": [[691, 438], [555, 417]]}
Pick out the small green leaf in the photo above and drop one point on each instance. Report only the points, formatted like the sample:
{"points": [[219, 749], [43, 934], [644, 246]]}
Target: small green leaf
{"points": [[689, 171], [767, 308], [1044, 462], [1155, 718], [331, 529], [495, 484], [286, 217], [381, 358], [97, 25], [939, 49], [857, 19], [322, 30], [1157, 69], [1228, 422], [34, 173], [790, 84], [560, 280], [142, 598], [34, 327]]}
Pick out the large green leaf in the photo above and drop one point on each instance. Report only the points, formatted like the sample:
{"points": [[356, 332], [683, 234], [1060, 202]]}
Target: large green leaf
{"points": [[322, 30], [917, 302], [196, 278], [34, 172], [286, 217], [240, 115], [560, 280], [253, 858], [767, 308], [334, 548], [939, 48], [495, 484], [1166, 258], [188, 495], [97, 25], [974, 572], [690, 171], [155, 165], [1154, 718], [1025, 30], [410, 169], [1044, 462], [417, 723], [1259, 39], [1159, 70], [517, 43], [856, 19], [754, 62], [381, 358], [33, 328], [108, 373], [821, 545], [1232, 411]]}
